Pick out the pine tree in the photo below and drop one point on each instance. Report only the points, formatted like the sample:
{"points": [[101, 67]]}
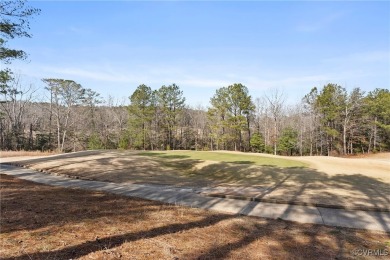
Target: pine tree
{"points": [[141, 111]]}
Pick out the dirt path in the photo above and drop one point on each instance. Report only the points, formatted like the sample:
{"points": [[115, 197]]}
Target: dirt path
{"points": [[332, 165], [377, 165]]}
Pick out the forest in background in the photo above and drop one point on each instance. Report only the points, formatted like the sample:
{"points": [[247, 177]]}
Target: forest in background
{"points": [[327, 121]]}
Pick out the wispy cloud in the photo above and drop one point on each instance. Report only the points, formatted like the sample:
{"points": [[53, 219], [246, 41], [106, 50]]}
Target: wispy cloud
{"points": [[154, 75], [97, 75], [167, 75], [199, 81], [318, 23], [79, 30], [74, 31], [362, 57]]}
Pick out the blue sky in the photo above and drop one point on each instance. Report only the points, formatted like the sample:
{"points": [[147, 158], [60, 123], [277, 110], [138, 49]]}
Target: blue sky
{"points": [[112, 47]]}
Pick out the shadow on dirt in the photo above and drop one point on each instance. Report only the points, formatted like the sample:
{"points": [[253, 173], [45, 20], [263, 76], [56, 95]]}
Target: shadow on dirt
{"points": [[62, 206]]}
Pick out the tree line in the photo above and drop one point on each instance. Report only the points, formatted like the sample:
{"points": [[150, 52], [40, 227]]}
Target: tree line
{"points": [[327, 121]]}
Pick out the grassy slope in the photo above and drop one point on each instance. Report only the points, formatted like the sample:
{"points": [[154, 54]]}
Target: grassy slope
{"points": [[226, 157]]}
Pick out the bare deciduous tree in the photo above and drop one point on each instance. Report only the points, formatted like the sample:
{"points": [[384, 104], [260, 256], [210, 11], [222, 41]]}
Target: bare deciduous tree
{"points": [[275, 103]]}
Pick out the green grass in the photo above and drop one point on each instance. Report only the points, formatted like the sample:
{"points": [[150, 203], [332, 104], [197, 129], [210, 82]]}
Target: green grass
{"points": [[226, 157]]}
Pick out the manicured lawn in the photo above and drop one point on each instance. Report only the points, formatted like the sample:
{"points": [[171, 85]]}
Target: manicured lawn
{"points": [[226, 157]]}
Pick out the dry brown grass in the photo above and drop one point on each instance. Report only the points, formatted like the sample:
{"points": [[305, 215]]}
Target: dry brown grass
{"points": [[370, 156], [44, 222], [4, 154]]}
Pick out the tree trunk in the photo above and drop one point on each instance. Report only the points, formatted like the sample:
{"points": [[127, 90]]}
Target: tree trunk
{"points": [[63, 140], [275, 137], [301, 140], [143, 133], [58, 137], [249, 134], [30, 138], [375, 133], [240, 140], [345, 138], [50, 117]]}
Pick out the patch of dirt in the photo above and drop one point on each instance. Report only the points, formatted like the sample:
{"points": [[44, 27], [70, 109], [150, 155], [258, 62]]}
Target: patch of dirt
{"points": [[43, 222], [201, 165]]}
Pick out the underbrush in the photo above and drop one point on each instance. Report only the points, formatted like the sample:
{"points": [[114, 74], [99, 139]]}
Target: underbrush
{"points": [[4, 154]]}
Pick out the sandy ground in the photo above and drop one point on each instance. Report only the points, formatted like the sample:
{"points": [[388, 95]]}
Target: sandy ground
{"points": [[377, 165], [332, 165]]}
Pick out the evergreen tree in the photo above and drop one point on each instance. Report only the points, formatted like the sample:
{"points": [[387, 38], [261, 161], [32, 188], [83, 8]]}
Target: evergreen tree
{"points": [[231, 110], [171, 103], [288, 140], [94, 142], [330, 103], [377, 106], [217, 118], [14, 23], [257, 143], [141, 112]]}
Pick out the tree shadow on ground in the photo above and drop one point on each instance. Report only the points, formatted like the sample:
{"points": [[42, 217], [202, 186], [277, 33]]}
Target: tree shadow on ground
{"points": [[290, 183], [38, 205], [163, 155], [116, 241], [134, 169], [302, 184], [243, 162], [286, 239]]}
